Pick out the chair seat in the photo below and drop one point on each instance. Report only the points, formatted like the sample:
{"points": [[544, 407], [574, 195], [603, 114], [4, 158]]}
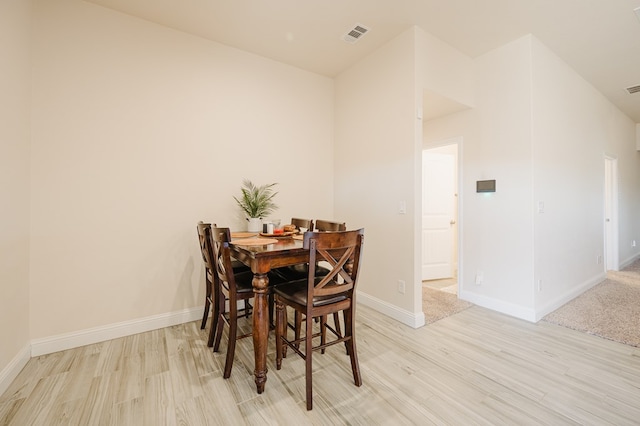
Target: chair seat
{"points": [[239, 266], [296, 292], [243, 282], [299, 272]]}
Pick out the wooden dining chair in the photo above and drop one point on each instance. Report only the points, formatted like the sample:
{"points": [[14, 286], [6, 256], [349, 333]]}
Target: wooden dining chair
{"points": [[232, 287], [295, 272], [298, 272], [318, 297], [327, 225], [207, 255], [210, 278], [306, 224]]}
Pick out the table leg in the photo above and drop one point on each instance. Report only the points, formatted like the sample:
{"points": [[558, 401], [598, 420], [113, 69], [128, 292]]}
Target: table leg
{"points": [[260, 328]]}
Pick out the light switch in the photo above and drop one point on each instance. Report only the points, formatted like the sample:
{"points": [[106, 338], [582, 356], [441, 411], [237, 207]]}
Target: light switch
{"points": [[402, 207], [540, 206]]}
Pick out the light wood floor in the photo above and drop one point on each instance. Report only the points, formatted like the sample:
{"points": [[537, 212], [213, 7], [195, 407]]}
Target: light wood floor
{"points": [[476, 367]]}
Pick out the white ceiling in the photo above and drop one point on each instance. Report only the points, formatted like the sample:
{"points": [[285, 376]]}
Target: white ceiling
{"points": [[600, 39]]}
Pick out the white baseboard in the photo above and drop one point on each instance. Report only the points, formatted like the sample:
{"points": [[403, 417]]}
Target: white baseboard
{"points": [[405, 317], [568, 296], [501, 306], [9, 373], [89, 336], [628, 261]]}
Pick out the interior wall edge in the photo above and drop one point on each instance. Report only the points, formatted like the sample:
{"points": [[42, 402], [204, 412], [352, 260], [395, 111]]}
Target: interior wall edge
{"points": [[11, 370], [576, 291], [402, 315], [507, 308], [624, 263]]}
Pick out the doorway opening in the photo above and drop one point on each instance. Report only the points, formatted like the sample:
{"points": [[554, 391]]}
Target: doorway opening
{"points": [[440, 230], [440, 212]]}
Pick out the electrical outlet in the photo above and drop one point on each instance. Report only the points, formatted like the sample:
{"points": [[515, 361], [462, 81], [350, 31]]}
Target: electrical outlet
{"points": [[599, 259], [479, 278], [539, 285], [401, 286], [633, 243]]}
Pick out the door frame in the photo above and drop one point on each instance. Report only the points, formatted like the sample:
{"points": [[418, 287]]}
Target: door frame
{"points": [[610, 213]]}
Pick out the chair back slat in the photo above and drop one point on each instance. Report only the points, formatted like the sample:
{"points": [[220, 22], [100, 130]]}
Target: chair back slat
{"points": [[302, 223], [328, 226], [204, 236], [220, 238], [341, 250]]}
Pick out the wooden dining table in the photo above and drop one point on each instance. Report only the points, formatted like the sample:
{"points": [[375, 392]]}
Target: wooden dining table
{"points": [[262, 258]]}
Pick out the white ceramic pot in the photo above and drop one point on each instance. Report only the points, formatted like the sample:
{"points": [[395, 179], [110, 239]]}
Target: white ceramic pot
{"points": [[255, 224]]}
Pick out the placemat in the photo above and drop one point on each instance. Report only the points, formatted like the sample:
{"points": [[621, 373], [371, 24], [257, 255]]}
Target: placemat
{"points": [[254, 241], [243, 234]]}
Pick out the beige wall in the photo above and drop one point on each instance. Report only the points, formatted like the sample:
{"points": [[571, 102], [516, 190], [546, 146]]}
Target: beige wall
{"points": [[14, 184], [375, 169], [139, 131]]}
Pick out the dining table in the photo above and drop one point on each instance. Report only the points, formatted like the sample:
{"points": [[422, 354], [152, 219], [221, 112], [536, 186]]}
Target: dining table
{"points": [[263, 253]]}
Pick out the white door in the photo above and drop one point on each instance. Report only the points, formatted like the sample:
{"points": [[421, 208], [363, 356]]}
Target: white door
{"points": [[438, 214]]}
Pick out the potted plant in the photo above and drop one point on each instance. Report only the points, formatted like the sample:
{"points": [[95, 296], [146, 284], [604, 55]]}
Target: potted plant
{"points": [[256, 202]]}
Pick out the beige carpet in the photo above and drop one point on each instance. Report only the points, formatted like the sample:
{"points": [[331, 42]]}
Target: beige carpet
{"points": [[438, 304], [610, 310]]}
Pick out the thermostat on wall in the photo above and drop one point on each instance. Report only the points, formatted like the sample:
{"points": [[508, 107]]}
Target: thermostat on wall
{"points": [[486, 185]]}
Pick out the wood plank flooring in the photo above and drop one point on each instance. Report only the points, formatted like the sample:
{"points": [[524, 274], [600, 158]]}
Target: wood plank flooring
{"points": [[476, 367]]}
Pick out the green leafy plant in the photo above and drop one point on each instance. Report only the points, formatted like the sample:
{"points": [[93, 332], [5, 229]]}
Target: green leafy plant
{"points": [[257, 201]]}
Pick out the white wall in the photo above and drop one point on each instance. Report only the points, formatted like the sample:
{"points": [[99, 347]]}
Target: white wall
{"points": [[574, 127], [377, 160], [444, 70], [15, 71], [498, 227], [542, 132], [139, 131]]}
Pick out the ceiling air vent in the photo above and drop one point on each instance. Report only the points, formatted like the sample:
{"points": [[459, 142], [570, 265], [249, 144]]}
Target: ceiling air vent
{"points": [[633, 89], [355, 33]]}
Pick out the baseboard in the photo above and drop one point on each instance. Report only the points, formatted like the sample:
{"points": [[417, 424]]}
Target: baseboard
{"points": [[404, 316], [551, 306], [628, 261], [9, 373], [89, 336], [501, 306]]}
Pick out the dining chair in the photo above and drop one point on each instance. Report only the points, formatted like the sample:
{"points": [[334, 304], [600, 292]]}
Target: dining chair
{"points": [[214, 297], [306, 224], [232, 287], [210, 277], [327, 225], [297, 272], [207, 255], [319, 296]]}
